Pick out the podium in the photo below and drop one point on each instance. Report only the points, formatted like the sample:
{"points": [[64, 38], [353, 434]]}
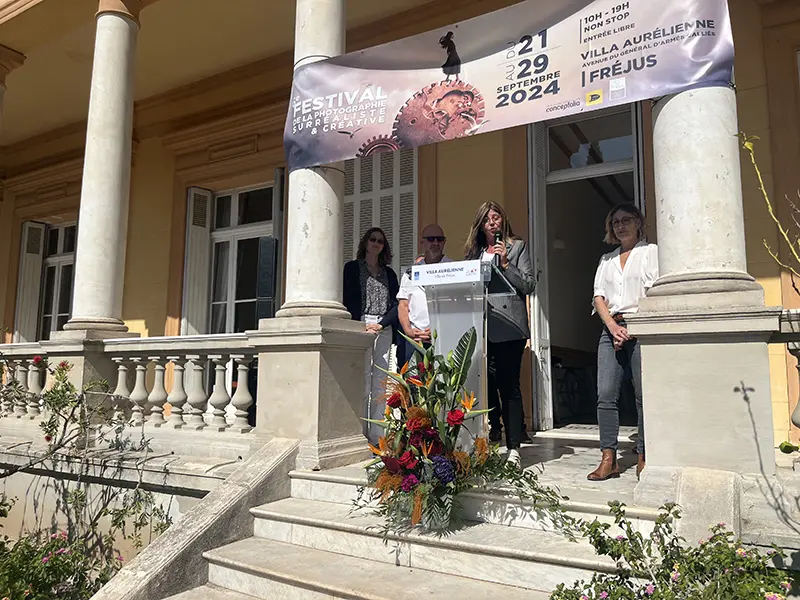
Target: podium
{"points": [[457, 294]]}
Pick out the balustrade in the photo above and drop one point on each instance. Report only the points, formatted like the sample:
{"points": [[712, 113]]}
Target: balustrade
{"points": [[30, 372]]}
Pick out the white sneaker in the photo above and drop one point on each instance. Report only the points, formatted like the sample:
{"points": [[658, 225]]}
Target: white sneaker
{"points": [[513, 458]]}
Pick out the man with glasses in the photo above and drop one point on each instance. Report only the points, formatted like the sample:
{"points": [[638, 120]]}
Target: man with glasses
{"points": [[413, 304]]}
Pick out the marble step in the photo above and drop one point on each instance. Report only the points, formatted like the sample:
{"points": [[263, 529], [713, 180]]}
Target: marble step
{"points": [[211, 592], [341, 486], [516, 556], [269, 570]]}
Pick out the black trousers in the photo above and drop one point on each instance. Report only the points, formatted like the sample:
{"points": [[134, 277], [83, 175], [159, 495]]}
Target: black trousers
{"points": [[505, 397]]}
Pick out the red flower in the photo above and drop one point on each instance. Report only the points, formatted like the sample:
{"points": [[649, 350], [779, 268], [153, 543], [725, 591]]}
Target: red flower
{"points": [[48, 438], [37, 360], [430, 434], [415, 439], [394, 400], [455, 417], [392, 464], [408, 460], [415, 424], [63, 365]]}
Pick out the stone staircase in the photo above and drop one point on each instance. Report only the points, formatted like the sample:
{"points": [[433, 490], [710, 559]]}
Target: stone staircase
{"points": [[311, 545]]}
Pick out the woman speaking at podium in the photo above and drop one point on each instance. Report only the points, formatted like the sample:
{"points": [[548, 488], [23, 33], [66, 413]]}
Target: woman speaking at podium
{"points": [[492, 239], [370, 295]]}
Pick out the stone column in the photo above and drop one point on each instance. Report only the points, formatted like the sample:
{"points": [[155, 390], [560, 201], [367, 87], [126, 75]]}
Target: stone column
{"points": [[311, 359], [703, 328], [314, 217], [9, 60], [103, 216]]}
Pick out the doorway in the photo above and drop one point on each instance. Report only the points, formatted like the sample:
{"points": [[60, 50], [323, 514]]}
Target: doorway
{"points": [[579, 169]]}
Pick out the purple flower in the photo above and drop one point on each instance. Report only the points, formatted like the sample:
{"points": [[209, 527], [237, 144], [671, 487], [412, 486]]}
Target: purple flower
{"points": [[62, 551], [409, 483], [650, 589], [675, 576], [443, 469], [604, 595], [620, 538], [46, 559], [786, 586], [741, 552]]}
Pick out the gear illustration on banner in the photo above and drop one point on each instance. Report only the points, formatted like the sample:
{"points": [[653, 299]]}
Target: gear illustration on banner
{"points": [[381, 143], [440, 111]]}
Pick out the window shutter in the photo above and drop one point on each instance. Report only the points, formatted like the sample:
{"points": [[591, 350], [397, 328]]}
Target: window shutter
{"points": [[29, 282], [381, 191], [197, 264]]}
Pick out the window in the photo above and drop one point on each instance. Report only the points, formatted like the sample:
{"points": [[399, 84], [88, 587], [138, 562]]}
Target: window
{"points": [[243, 260], [58, 272], [381, 191]]}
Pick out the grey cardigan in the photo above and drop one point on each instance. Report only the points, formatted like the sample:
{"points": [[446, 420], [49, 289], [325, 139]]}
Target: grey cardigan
{"points": [[507, 317]]}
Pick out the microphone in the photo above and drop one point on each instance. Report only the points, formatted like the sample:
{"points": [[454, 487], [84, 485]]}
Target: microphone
{"points": [[497, 237]]}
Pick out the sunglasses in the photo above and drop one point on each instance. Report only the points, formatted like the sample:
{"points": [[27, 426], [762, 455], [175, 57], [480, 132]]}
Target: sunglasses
{"points": [[434, 238], [376, 240]]}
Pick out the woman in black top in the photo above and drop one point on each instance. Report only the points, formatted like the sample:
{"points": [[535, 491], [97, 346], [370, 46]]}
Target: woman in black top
{"points": [[370, 295]]}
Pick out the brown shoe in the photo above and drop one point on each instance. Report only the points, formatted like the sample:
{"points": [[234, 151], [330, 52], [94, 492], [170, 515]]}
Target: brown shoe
{"points": [[608, 467], [640, 466]]}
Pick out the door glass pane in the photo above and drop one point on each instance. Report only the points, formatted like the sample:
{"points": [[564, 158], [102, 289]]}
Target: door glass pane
{"points": [[255, 206], [65, 290], [220, 291], [218, 318], [69, 239], [46, 325], [266, 309], [62, 320], [49, 290], [593, 141], [222, 212], [245, 317], [266, 267], [246, 268], [52, 242]]}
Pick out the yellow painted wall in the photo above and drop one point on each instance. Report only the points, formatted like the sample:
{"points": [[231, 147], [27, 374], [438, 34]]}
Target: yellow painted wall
{"points": [[144, 304], [752, 97]]}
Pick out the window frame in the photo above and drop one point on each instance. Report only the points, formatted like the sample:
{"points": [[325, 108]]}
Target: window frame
{"points": [[59, 260], [233, 234]]}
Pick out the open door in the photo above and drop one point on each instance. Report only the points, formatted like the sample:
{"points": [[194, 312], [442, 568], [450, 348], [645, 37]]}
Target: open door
{"points": [[540, 328]]}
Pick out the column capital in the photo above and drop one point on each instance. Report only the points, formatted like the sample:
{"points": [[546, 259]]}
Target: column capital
{"points": [[9, 60], [126, 8]]}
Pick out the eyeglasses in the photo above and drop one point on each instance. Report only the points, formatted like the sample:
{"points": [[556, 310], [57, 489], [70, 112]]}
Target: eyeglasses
{"points": [[376, 240], [434, 238], [624, 222]]}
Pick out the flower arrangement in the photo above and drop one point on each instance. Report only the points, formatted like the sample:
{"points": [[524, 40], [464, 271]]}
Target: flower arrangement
{"points": [[662, 566], [424, 460]]}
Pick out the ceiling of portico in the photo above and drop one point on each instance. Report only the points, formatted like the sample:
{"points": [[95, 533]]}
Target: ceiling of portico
{"points": [[181, 41]]}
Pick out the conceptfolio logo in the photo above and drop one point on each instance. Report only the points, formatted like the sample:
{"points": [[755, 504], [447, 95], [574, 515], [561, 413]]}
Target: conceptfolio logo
{"points": [[594, 98]]}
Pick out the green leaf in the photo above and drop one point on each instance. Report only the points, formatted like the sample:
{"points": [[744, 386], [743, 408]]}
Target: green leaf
{"points": [[416, 346], [383, 424], [462, 357]]}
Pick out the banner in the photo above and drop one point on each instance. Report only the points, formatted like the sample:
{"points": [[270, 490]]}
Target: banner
{"points": [[530, 62]]}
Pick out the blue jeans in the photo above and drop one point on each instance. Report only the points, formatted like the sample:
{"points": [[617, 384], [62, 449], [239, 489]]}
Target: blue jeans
{"points": [[612, 368]]}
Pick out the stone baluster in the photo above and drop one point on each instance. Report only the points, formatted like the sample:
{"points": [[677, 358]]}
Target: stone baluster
{"points": [[242, 399], [7, 406], [21, 405], [158, 395], [122, 393], [794, 349], [139, 394], [196, 397], [219, 398], [177, 395], [34, 391]]}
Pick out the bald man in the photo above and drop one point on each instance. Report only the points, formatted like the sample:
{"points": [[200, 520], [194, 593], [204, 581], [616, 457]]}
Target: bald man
{"points": [[412, 308]]}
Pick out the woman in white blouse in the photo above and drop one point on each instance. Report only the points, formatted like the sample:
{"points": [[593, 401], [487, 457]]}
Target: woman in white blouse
{"points": [[623, 277]]}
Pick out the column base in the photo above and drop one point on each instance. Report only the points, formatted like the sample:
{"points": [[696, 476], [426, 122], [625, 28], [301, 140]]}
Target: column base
{"points": [[311, 387], [706, 387], [704, 283], [95, 324], [334, 310]]}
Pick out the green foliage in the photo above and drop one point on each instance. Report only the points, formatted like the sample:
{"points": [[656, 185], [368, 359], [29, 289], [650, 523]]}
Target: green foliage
{"points": [[662, 566], [74, 563]]}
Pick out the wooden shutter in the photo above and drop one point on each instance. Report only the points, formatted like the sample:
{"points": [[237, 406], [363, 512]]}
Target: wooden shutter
{"points": [[29, 282], [197, 264], [381, 191]]}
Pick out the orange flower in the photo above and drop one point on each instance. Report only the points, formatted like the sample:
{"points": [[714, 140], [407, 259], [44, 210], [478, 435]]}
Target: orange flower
{"points": [[382, 449], [462, 461], [481, 449], [468, 402], [417, 412], [416, 514], [387, 484], [415, 381]]}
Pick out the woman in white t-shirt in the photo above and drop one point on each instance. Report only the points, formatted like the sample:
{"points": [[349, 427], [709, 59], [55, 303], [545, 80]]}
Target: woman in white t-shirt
{"points": [[623, 277]]}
